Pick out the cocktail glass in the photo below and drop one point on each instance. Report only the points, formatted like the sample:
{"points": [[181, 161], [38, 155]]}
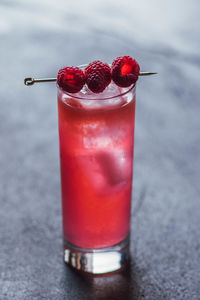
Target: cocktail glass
{"points": [[96, 133]]}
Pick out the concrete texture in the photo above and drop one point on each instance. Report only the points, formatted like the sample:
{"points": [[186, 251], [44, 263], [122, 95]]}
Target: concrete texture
{"points": [[36, 40]]}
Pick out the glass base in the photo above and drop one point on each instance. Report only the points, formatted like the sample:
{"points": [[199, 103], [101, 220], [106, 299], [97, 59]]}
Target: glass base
{"points": [[98, 261]]}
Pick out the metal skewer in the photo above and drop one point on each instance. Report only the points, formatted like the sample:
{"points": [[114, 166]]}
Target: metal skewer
{"points": [[31, 80], [147, 73]]}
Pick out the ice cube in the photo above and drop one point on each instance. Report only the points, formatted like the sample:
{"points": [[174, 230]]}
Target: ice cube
{"points": [[109, 98], [116, 166]]}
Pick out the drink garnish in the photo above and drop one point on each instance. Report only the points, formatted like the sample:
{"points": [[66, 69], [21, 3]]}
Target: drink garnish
{"points": [[124, 71], [71, 79], [97, 76]]}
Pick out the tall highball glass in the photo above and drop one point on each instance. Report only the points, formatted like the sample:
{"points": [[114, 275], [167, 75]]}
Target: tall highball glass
{"points": [[96, 134]]}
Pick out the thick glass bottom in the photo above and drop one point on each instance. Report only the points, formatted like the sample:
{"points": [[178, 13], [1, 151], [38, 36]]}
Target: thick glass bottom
{"points": [[97, 261]]}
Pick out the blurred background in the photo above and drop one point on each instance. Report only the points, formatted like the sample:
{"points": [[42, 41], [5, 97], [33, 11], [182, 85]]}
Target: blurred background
{"points": [[36, 39]]}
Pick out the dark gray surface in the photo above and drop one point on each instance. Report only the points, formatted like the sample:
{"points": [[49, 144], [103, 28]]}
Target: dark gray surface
{"points": [[36, 40]]}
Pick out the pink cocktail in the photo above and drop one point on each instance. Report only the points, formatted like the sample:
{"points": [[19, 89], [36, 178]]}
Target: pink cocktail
{"points": [[96, 109], [96, 157]]}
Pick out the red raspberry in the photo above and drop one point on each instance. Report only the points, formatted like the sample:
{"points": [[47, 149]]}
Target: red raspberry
{"points": [[71, 79], [97, 76], [125, 71]]}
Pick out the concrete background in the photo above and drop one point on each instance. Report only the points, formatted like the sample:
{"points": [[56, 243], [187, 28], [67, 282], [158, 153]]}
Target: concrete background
{"points": [[36, 39]]}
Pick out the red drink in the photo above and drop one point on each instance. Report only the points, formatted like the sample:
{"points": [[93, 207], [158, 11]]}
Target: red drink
{"points": [[96, 157]]}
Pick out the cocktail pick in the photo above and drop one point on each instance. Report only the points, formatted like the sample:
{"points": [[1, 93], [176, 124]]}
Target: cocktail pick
{"points": [[31, 80]]}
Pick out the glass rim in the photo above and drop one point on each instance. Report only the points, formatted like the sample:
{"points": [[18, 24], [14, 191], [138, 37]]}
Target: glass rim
{"points": [[100, 98]]}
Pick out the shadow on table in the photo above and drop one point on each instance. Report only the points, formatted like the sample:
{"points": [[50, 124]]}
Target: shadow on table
{"points": [[122, 285]]}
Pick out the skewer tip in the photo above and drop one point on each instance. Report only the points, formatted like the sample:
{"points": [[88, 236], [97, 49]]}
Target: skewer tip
{"points": [[147, 73]]}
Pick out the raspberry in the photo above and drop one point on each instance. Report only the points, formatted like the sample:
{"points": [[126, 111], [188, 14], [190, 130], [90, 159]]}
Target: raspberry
{"points": [[97, 76], [125, 71], [71, 79]]}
